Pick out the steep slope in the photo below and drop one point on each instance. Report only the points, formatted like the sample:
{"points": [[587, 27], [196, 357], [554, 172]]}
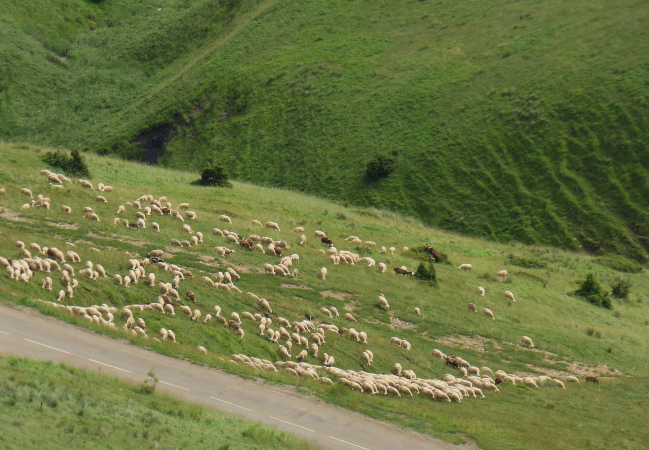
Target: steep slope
{"points": [[508, 120]]}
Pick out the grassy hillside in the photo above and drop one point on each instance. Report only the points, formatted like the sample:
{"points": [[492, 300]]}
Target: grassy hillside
{"points": [[60, 407], [509, 120], [571, 335]]}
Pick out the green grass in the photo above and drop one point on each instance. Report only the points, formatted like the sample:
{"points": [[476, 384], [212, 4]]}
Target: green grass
{"points": [[610, 415], [510, 120], [55, 406]]}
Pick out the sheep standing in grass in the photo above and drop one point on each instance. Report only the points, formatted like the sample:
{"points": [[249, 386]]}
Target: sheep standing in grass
{"points": [[323, 273], [481, 291], [465, 267], [510, 295], [527, 342], [487, 312], [224, 218], [66, 209], [27, 192], [473, 308], [502, 273], [350, 317], [383, 302]]}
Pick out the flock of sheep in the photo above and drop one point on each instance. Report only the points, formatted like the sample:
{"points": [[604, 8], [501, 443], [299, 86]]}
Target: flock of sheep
{"points": [[307, 335]]}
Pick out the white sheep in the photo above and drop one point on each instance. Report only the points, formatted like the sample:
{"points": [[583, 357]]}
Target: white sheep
{"points": [[487, 312], [510, 295], [302, 240], [27, 192], [272, 225], [418, 311], [99, 198], [405, 345], [224, 218], [382, 268], [527, 342], [351, 318], [201, 349], [502, 273], [465, 267], [383, 302], [323, 273]]}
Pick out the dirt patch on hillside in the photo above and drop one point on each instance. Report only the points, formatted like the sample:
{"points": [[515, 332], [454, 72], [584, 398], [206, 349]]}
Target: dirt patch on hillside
{"points": [[243, 268], [476, 342], [66, 226], [206, 258], [398, 323], [173, 249], [12, 215], [577, 368], [335, 294], [83, 241]]}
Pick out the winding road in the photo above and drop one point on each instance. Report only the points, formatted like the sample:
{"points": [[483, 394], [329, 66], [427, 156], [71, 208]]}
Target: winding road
{"points": [[28, 333]]}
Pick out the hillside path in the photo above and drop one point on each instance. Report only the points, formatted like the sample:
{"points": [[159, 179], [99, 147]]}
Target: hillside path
{"points": [[30, 334]]}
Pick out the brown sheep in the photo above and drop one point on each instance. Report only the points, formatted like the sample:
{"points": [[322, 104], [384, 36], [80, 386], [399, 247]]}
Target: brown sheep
{"points": [[190, 295], [326, 240], [592, 380], [132, 225]]}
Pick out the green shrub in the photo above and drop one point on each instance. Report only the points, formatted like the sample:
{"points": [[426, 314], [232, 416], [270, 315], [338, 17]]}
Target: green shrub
{"points": [[74, 164], [591, 290], [621, 288], [617, 262], [149, 385], [426, 272], [214, 175], [528, 263], [380, 166]]}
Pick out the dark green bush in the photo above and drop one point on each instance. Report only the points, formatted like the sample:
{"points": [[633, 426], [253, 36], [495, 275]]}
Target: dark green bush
{"points": [[529, 263], [214, 175], [621, 288], [74, 164], [380, 166], [426, 272], [617, 262], [591, 290]]}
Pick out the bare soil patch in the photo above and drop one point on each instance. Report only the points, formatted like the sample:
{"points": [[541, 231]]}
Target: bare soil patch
{"points": [[206, 258], [476, 342], [12, 215], [577, 368], [398, 323], [335, 294], [66, 226]]}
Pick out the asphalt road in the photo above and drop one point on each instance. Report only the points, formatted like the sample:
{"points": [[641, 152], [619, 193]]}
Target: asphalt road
{"points": [[33, 335]]}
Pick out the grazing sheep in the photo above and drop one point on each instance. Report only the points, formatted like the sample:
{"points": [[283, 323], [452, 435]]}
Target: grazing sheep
{"points": [[559, 383], [319, 234], [529, 382], [224, 218], [527, 342], [510, 295], [405, 344], [592, 380], [197, 315], [272, 225], [127, 281], [473, 308], [66, 209], [572, 379], [187, 229], [302, 240], [325, 311], [487, 312], [2, 191], [383, 302], [334, 310], [465, 267], [418, 311], [323, 273], [25, 207], [183, 206], [502, 273], [217, 232], [351, 318], [395, 340], [481, 291], [202, 349], [208, 317], [27, 192], [155, 227], [382, 268], [99, 198]]}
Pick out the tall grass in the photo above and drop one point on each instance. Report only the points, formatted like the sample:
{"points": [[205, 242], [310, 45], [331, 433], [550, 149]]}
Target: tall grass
{"points": [[55, 406]]}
